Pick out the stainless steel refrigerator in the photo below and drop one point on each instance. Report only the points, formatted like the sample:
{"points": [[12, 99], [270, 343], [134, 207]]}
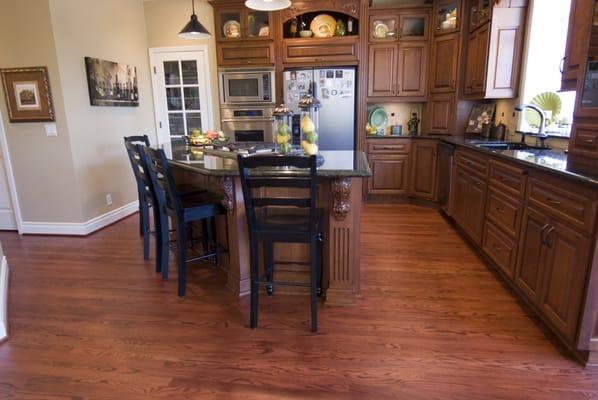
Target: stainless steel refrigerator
{"points": [[335, 89]]}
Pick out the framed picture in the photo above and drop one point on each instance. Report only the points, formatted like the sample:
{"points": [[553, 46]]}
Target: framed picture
{"points": [[28, 95], [481, 116], [111, 83]]}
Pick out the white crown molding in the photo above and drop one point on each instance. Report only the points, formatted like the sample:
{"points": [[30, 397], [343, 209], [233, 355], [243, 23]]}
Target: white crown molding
{"points": [[80, 228]]}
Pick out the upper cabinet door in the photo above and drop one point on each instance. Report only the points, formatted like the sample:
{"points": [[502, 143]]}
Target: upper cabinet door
{"points": [[257, 24], [382, 70], [414, 26], [446, 16], [445, 56], [580, 24], [229, 24], [411, 74], [384, 27]]}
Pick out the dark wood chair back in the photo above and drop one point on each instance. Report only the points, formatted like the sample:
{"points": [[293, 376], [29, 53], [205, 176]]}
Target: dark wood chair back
{"points": [[132, 145], [162, 180], [260, 199]]}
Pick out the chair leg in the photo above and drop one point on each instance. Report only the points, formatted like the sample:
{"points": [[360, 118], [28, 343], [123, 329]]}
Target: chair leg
{"points": [[313, 252], [182, 256], [158, 228], [269, 265], [163, 251], [213, 239], [255, 287], [145, 222], [204, 236]]}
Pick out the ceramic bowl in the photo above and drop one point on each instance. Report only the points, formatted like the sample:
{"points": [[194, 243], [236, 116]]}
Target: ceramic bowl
{"points": [[305, 34]]}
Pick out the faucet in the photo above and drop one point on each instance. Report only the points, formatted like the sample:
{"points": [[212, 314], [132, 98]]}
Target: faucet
{"points": [[522, 107]]}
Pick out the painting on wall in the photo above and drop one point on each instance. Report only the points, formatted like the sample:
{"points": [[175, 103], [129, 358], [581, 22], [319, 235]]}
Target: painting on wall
{"points": [[111, 83], [28, 95], [480, 117]]}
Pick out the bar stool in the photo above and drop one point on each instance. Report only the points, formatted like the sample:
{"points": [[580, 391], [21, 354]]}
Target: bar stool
{"points": [[183, 210], [278, 219], [143, 190]]}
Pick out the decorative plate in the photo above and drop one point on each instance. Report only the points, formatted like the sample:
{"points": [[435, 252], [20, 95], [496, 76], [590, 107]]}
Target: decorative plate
{"points": [[550, 102], [380, 30], [231, 29], [378, 118], [323, 26]]}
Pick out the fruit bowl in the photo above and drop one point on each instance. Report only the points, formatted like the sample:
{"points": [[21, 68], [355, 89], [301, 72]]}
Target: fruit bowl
{"points": [[197, 138]]}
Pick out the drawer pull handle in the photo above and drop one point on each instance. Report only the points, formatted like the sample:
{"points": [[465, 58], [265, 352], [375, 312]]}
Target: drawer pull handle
{"points": [[477, 183], [548, 233], [500, 210], [496, 247], [588, 141], [553, 202], [543, 234]]}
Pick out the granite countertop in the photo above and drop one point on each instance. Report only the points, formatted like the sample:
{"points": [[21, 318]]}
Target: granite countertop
{"points": [[406, 136], [554, 161], [338, 163]]}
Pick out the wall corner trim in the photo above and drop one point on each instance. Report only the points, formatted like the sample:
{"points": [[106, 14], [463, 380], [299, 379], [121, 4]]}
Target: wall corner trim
{"points": [[80, 228]]}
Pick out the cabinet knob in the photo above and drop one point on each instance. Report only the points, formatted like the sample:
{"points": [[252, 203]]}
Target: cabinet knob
{"points": [[500, 210]]}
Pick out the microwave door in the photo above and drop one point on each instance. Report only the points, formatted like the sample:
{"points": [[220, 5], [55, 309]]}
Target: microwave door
{"points": [[243, 88]]}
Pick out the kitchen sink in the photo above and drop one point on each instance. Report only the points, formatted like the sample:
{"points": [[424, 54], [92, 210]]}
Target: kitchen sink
{"points": [[509, 146]]}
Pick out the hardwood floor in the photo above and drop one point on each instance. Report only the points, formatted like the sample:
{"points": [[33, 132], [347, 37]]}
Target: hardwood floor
{"points": [[89, 319]]}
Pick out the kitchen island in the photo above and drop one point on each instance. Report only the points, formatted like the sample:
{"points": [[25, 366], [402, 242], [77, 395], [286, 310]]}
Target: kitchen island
{"points": [[340, 182]]}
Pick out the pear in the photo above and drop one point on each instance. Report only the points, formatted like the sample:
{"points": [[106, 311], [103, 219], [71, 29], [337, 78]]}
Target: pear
{"points": [[307, 124], [309, 148]]}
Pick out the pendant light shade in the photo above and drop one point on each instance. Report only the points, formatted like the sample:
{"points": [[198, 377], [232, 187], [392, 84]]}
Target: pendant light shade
{"points": [[194, 29], [268, 5]]}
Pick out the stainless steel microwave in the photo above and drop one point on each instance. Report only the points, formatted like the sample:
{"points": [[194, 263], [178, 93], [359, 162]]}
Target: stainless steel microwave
{"points": [[241, 86]]}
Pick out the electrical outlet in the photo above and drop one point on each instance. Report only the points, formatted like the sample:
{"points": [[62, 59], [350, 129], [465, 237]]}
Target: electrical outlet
{"points": [[109, 199]]}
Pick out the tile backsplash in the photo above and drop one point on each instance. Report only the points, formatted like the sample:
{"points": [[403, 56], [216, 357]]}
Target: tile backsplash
{"points": [[402, 112]]}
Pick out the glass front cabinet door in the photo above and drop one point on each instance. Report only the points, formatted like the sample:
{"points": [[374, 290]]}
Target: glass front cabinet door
{"points": [[258, 24], [446, 16], [384, 27], [413, 26]]}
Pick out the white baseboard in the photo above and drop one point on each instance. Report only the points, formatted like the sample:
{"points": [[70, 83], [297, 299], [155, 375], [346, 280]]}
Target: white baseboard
{"points": [[3, 299], [80, 228]]}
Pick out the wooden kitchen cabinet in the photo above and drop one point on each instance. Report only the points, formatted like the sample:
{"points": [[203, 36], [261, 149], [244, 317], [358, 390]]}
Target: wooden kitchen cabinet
{"points": [[382, 70], [440, 112], [389, 162], [445, 63], [469, 197], [477, 61], [446, 16], [424, 169], [494, 52], [580, 22], [398, 70]]}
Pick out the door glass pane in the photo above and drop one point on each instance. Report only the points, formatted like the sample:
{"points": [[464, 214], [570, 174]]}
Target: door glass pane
{"points": [[176, 124], [173, 99], [258, 24], [193, 122], [413, 26], [446, 17], [231, 25], [383, 28], [189, 72], [192, 98], [171, 73]]}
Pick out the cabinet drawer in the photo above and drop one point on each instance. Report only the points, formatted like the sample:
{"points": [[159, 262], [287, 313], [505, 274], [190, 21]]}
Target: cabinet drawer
{"points": [[320, 50], [472, 161], [565, 200], [500, 248], [584, 140], [504, 211], [388, 146], [246, 53], [507, 177]]}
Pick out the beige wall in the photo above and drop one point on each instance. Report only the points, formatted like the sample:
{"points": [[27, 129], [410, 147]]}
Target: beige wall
{"points": [[112, 30], [165, 18], [43, 166]]}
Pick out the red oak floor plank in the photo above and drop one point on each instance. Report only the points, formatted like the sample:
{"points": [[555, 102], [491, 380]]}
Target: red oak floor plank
{"points": [[89, 319]]}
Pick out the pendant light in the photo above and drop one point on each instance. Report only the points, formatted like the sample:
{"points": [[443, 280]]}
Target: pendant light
{"points": [[194, 29], [268, 5]]}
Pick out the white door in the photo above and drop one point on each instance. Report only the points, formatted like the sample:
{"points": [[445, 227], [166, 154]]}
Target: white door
{"points": [[7, 214], [181, 86]]}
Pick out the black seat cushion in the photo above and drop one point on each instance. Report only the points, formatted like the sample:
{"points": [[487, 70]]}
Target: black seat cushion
{"points": [[202, 205]]}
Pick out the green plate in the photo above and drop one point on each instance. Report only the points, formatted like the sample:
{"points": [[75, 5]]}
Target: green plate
{"points": [[378, 117]]}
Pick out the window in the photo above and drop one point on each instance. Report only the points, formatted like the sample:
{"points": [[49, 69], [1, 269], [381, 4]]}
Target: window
{"points": [[542, 74]]}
